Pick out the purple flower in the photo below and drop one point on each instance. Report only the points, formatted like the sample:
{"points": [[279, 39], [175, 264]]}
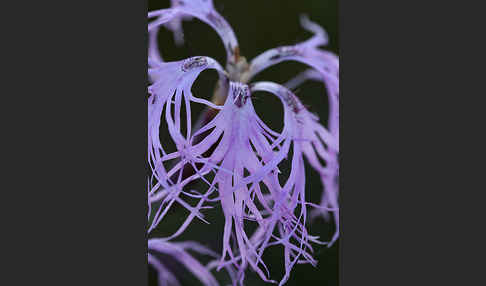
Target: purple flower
{"points": [[236, 154], [179, 252]]}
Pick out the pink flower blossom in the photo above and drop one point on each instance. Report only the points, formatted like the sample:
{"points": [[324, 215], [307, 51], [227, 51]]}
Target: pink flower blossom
{"points": [[236, 155]]}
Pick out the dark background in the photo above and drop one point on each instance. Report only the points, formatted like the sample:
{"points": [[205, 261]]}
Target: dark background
{"points": [[259, 26]]}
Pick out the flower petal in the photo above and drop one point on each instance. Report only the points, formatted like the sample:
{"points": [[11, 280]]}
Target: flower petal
{"points": [[179, 253], [326, 63], [204, 11]]}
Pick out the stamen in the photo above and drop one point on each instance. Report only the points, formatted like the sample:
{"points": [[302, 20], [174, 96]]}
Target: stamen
{"points": [[240, 94]]}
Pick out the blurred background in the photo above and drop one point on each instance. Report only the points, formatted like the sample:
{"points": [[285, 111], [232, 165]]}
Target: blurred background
{"points": [[259, 25]]}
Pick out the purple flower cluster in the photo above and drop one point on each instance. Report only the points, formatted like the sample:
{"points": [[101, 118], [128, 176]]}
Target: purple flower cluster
{"points": [[235, 154]]}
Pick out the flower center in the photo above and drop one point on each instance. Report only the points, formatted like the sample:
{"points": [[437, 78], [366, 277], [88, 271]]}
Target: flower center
{"points": [[238, 71]]}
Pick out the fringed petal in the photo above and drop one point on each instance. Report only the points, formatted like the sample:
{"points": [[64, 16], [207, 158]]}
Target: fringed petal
{"points": [[308, 52], [172, 81], [314, 142], [178, 251], [204, 11], [329, 177]]}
